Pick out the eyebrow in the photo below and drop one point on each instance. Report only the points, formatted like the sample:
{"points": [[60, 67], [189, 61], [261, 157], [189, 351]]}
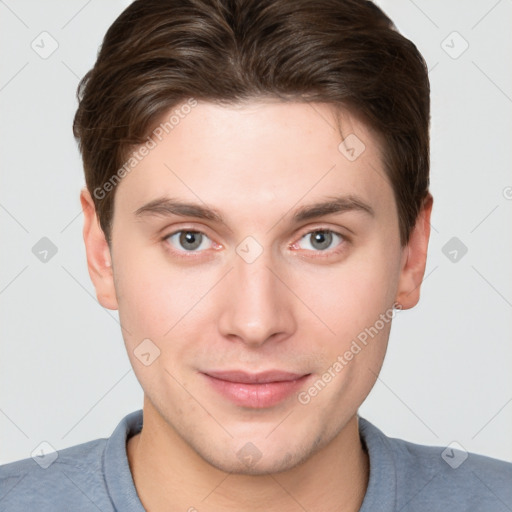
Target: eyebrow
{"points": [[337, 204]]}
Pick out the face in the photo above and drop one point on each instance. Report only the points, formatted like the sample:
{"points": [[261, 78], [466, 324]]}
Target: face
{"points": [[258, 302]]}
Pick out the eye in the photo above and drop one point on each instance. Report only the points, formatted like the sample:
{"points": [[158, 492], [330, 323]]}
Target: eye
{"points": [[188, 240], [192, 241], [321, 240]]}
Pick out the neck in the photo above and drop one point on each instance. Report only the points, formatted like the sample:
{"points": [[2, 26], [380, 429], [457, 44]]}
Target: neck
{"points": [[169, 475]]}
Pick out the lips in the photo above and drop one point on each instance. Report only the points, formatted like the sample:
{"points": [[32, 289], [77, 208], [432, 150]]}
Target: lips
{"points": [[255, 390], [255, 378]]}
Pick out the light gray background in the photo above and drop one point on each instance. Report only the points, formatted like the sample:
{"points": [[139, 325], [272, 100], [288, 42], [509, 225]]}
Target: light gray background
{"points": [[64, 375]]}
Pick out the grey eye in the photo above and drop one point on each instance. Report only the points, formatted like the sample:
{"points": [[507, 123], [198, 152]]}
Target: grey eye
{"points": [[187, 240], [321, 239], [190, 240]]}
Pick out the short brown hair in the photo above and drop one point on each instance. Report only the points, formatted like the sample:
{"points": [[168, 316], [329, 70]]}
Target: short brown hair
{"points": [[346, 53]]}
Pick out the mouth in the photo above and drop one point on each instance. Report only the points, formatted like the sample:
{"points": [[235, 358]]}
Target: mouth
{"points": [[255, 390]]}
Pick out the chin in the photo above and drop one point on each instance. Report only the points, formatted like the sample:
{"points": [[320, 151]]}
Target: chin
{"points": [[260, 465], [261, 457]]}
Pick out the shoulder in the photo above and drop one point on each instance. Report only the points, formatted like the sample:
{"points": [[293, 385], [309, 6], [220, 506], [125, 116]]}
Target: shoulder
{"points": [[452, 477], [66, 479], [88, 476], [440, 478]]}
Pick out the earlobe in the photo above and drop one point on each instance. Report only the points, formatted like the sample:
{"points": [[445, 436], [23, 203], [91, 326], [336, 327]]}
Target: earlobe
{"points": [[414, 258], [99, 260]]}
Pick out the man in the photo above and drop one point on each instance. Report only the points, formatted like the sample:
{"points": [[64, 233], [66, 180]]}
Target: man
{"points": [[257, 209]]}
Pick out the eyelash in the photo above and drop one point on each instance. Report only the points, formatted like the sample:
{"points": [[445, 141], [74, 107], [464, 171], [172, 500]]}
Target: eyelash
{"points": [[321, 254]]}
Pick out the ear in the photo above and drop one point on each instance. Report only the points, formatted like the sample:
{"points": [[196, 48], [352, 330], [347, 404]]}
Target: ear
{"points": [[414, 258], [99, 261]]}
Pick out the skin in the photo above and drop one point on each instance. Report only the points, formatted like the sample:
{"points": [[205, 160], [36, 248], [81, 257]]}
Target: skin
{"points": [[297, 307]]}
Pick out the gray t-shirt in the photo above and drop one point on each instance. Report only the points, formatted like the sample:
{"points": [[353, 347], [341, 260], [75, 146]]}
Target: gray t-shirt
{"points": [[404, 477]]}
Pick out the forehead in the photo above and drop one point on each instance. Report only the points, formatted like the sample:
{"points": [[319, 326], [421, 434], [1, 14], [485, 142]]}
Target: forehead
{"points": [[270, 153]]}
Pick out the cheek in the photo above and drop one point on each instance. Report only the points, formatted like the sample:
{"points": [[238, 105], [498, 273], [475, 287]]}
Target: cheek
{"points": [[157, 297], [156, 302], [146, 290], [351, 296]]}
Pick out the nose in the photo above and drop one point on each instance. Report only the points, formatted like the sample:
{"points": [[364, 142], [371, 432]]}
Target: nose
{"points": [[257, 305]]}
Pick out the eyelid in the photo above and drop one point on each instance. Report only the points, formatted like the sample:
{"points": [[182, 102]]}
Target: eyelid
{"points": [[323, 227]]}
